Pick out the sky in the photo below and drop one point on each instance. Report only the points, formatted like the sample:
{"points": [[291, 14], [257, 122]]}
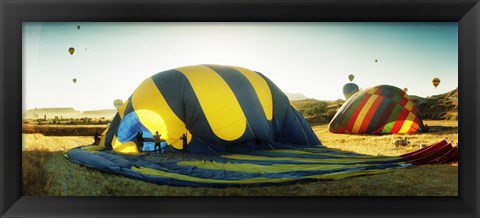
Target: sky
{"points": [[315, 59]]}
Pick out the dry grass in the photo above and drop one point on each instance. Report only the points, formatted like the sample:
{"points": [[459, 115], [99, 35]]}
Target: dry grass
{"points": [[382, 144], [63, 130], [53, 143], [46, 172]]}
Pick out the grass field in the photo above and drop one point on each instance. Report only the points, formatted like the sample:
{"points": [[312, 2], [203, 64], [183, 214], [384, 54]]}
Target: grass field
{"points": [[46, 171]]}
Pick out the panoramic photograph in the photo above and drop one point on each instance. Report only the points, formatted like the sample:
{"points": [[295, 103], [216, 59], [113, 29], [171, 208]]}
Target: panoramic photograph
{"points": [[240, 109]]}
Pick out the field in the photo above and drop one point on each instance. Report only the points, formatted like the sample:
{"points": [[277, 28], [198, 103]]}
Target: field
{"points": [[46, 171]]}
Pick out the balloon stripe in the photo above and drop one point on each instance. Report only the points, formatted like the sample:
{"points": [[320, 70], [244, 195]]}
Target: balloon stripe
{"points": [[370, 113], [356, 112], [407, 124], [173, 85], [262, 90], [348, 112], [363, 112], [243, 91], [399, 121], [121, 109], [227, 121], [409, 106], [378, 113], [414, 127], [336, 122], [387, 128], [112, 130]]}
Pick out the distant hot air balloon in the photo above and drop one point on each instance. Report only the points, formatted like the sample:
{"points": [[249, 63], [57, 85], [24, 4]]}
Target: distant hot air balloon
{"points": [[376, 60], [71, 50], [78, 27], [349, 89], [435, 82], [117, 103], [351, 77], [405, 89], [74, 80]]}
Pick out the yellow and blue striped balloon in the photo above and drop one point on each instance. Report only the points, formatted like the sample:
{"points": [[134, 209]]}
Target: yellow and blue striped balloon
{"points": [[219, 108]]}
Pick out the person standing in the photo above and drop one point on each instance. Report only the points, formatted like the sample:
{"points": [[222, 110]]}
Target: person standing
{"points": [[96, 138], [156, 139], [184, 142], [140, 141]]}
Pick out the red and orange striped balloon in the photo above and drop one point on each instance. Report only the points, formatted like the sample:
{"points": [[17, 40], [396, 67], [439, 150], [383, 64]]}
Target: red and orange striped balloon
{"points": [[381, 109]]}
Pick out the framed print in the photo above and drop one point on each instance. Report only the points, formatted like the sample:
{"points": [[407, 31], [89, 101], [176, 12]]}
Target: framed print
{"points": [[228, 108]]}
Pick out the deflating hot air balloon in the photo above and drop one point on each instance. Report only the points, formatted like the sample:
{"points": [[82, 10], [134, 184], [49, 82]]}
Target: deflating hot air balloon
{"points": [[349, 89], [378, 110], [71, 50], [240, 110], [117, 103], [74, 80], [435, 82], [351, 77]]}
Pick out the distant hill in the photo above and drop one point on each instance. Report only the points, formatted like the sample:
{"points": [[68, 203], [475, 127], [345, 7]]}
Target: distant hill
{"points": [[50, 113], [317, 111], [100, 113], [295, 96], [443, 106], [417, 99], [451, 96]]}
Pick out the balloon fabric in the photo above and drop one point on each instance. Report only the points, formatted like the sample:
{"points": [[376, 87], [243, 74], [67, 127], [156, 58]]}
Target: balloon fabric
{"points": [[262, 167]]}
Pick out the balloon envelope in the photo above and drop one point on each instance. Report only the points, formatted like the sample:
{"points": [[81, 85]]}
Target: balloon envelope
{"points": [[74, 80], [435, 82], [71, 50], [382, 109], [78, 27], [349, 89], [117, 103], [243, 110], [351, 77], [405, 89]]}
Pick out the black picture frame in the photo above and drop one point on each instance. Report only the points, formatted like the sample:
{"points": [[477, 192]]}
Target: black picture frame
{"points": [[14, 12]]}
